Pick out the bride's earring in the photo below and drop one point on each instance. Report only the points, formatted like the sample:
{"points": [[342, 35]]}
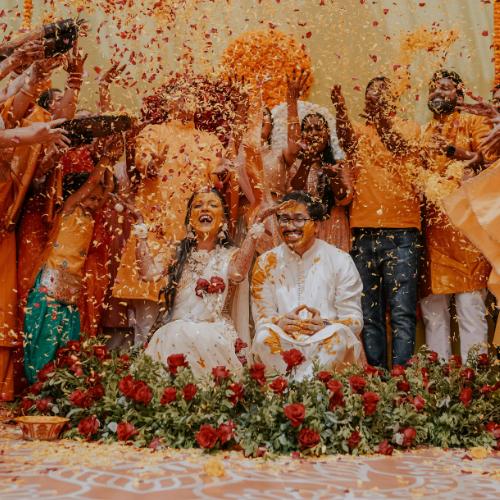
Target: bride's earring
{"points": [[190, 233], [223, 232]]}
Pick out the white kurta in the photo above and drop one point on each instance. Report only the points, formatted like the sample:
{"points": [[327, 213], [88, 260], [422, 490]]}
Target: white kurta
{"points": [[324, 278], [200, 327]]}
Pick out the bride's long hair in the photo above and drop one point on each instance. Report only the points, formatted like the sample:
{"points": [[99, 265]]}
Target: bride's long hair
{"points": [[184, 249]]}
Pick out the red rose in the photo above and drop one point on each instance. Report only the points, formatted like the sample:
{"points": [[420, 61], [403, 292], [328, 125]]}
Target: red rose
{"points": [[142, 393], [354, 440], [125, 359], [44, 373], [88, 426], [239, 345], [334, 386], [403, 385], [258, 373], [76, 368], [206, 437], [494, 429], [465, 396], [419, 403], [483, 360], [357, 383], [189, 391], [432, 357], [202, 285], [398, 371], [278, 385], [36, 388], [176, 361], [44, 404], [385, 448], [101, 352], [225, 432], [336, 400], [217, 285], [468, 374], [486, 389], [96, 392], [295, 413], [324, 376], [308, 438], [292, 358], [409, 435], [169, 395], [370, 401], [425, 375], [238, 391], [455, 361], [127, 386], [81, 398], [27, 404], [125, 431], [220, 373], [337, 397], [371, 370], [74, 346]]}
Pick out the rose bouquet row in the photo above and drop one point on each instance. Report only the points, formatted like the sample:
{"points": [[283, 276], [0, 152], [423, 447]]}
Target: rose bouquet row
{"points": [[107, 397]]}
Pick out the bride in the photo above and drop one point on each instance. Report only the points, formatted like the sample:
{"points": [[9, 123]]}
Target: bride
{"points": [[206, 288]]}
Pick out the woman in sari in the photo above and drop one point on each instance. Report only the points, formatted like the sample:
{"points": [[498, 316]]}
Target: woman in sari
{"points": [[206, 283], [52, 317]]}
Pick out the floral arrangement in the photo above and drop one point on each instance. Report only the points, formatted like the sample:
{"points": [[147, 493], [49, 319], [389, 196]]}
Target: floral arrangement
{"points": [[269, 56], [135, 400]]}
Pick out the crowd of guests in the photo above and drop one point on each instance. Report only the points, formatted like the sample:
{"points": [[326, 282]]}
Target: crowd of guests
{"points": [[149, 236]]}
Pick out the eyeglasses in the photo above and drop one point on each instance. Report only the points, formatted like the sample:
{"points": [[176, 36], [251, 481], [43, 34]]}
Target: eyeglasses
{"points": [[284, 220]]}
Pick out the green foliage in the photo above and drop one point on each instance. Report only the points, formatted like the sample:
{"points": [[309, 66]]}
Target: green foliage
{"points": [[423, 404]]}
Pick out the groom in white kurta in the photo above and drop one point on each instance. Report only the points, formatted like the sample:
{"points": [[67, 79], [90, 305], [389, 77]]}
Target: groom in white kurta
{"points": [[306, 295]]}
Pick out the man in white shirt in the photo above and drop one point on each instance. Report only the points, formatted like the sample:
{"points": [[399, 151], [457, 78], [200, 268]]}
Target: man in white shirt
{"points": [[306, 295]]}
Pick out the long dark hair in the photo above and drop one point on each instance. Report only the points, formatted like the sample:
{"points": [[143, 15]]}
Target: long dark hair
{"points": [[183, 251], [327, 156]]}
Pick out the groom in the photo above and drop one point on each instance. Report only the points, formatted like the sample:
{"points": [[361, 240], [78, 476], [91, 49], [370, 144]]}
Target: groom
{"points": [[306, 295]]}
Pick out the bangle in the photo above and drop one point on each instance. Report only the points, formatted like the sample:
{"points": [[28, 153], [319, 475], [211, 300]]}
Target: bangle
{"points": [[256, 230], [140, 231]]}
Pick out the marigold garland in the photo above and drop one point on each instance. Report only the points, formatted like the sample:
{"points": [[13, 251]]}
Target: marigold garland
{"points": [[496, 39], [27, 14], [133, 399], [268, 55]]}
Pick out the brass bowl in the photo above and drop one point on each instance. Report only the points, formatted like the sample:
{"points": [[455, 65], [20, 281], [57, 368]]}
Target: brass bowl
{"points": [[40, 427]]}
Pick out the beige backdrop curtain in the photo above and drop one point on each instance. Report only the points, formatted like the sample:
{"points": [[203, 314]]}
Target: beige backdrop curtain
{"points": [[349, 41]]}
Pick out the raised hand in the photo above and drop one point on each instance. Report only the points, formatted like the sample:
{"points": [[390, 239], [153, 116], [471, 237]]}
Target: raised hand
{"points": [[491, 143], [28, 52], [481, 108], [296, 85], [75, 61], [337, 97], [111, 74]]}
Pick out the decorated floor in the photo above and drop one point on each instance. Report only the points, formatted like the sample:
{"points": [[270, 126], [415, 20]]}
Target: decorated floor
{"points": [[69, 469]]}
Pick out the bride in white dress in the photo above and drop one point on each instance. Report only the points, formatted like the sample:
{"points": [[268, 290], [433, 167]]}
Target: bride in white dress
{"points": [[206, 294]]}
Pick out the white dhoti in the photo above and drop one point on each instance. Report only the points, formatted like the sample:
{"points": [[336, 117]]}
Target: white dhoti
{"points": [[332, 347]]}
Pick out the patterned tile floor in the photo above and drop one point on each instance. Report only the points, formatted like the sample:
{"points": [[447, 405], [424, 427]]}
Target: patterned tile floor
{"points": [[75, 470]]}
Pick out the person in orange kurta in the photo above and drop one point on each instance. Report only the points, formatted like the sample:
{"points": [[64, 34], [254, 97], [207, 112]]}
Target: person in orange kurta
{"points": [[384, 219], [174, 160], [453, 265]]}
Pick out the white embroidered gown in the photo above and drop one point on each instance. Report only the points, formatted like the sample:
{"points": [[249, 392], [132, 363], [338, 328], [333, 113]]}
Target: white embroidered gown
{"points": [[201, 328]]}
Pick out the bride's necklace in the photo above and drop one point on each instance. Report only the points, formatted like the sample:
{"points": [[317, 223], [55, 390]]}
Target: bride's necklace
{"points": [[199, 260]]}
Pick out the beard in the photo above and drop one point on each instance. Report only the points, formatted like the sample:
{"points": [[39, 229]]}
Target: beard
{"points": [[442, 106]]}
